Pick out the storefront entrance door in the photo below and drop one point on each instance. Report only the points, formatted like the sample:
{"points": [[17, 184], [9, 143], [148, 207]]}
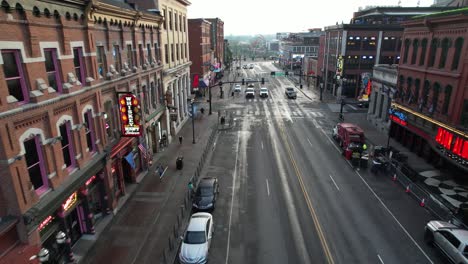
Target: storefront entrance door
{"points": [[73, 224]]}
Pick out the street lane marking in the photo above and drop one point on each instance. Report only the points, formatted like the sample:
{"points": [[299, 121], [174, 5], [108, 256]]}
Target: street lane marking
{"points": [[394, 217], [310, 143], [336, 185], [381, 261], [268, 188], [262, 144], [312, 212], [234, 177]]}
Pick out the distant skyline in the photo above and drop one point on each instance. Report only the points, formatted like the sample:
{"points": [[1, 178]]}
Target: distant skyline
{"points": [[251, 17]]}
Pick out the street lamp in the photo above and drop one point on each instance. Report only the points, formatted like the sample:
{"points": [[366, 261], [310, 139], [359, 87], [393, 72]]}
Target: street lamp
{"points": [[193, 118]]}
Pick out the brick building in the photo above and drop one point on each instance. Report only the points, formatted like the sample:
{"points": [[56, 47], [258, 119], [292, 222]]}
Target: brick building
{"points": [[373, 36], [217, 42], [432, 94], [200, 52], [63, 68]]}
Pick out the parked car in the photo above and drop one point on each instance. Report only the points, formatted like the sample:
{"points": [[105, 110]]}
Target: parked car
{"points": [[450, 239], [251, 66], [237, 88], [263, 92], [251, 85], [196, 241], [206, 194], [290, 93], [250, 93]]}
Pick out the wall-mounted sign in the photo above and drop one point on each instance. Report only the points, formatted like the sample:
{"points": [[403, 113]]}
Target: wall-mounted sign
{"points": [[339, 66], [398, 117], [90, 180], [70, 202], [46, 221], [450, 141], [130, 115]]}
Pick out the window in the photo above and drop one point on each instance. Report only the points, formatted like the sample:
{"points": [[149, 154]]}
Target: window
{"points": [[35, 164], [369, 43], [172, 52], [152, 95], [417, 84], [165, 19], [414, 54], [142, 56], [409, 83], [425, 93], [129, 56], [67, 145], [52, 69], [170, 20], [447, 95], [148, 50], [89, 125], [458, 51], [166, 53], [177, 51], [353, 43], [156, 52], [180, 22], [117, 59], [435, 98], [407, 45], [423, 52], [464, 115], [176, 21], [400, 85], [451, 238], [432, 52], [443, 55], [78, 62], [14, 76], [185, 50], [389, 44], [101, 61]]}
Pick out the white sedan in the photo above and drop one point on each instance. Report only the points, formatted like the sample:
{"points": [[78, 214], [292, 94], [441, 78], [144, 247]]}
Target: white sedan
{"points": [[263, 92], [237, 88], [197, 239]]}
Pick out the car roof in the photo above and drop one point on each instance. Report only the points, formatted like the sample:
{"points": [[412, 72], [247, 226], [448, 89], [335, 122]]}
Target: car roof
{"points": [[263, 88], [461, 234], [206, 182], [198, 221]]}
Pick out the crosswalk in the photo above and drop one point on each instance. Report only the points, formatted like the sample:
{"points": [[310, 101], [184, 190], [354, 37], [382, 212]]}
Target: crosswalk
{"points": [[292, 114]]}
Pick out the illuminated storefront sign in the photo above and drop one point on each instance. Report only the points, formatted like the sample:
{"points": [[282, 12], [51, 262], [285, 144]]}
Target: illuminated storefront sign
{"points": [[90, 180], [46, 221], [130, 115], [70, 201], [398, 117], [450, 141]]}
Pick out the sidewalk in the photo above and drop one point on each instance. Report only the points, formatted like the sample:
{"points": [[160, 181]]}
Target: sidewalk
{"points": [[442, 186]]}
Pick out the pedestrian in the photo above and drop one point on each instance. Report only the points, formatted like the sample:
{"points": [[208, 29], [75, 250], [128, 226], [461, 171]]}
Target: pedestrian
{"points": [[180, 139], [190, 187], [164, 140], [202, 110]]}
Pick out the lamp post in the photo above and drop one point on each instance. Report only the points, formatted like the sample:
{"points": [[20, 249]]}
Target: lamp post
{"points": [[209, 96]]}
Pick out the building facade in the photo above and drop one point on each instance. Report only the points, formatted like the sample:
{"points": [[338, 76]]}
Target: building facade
{"points": [[217, 41], [432, 94], [200, 52], [66, 71], [372, 37], [297, 46]]}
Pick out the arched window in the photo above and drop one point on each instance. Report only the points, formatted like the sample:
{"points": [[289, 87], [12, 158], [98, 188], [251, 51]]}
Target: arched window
{"points": [[407, 45], [414, 54], [423, 52], [417, 85], [458, 51], [409, 83], [443, 56], [435, 98], [447, 95], [433, 51], [425, 95]]}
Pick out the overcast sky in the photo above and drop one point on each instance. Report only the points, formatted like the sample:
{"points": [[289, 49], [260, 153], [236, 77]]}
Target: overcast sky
{"points": [[251, 17]]}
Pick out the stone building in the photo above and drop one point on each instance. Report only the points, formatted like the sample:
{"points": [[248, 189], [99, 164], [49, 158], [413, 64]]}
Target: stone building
{"points": [[67, 69]]}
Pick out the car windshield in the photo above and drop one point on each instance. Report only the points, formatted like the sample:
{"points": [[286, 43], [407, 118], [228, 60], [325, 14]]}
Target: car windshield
{"points": [[206, 191], [290, 89], [195, 237], [263, 89]]}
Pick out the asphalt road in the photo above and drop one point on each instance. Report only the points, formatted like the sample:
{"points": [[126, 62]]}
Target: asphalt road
{"points": [[288, 196]]}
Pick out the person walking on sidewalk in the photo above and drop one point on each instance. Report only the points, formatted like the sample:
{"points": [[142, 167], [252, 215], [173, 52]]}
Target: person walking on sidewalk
{"points": [[180, 140]]}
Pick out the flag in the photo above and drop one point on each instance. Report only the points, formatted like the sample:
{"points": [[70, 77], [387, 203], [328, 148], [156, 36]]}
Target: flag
{"points": [[129, 159], [143, 150]]}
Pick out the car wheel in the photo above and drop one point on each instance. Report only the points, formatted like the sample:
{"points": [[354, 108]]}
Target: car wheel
{"points": [[429, 237]]}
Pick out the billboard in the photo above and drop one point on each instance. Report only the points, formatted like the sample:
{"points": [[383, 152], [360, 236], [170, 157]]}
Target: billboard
{"points": [[130, 115]]}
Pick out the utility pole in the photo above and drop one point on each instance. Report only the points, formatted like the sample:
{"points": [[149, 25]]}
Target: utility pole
{"points": [[193, 121]]}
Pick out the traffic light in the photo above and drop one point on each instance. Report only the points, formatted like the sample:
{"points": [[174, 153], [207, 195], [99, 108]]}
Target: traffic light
{"points": [[273, 73], [243, 81], [263, 81], [286, 73]]}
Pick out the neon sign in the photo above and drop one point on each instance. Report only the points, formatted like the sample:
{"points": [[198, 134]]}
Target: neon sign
{"points": [[457, 145], [90, 180], [398, 117], [70, 201], [46, 221], [398, 120], [130, 115]]}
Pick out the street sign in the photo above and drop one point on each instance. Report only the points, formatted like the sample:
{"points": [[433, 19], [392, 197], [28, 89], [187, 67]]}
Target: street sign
{"points": [[279, 73]]}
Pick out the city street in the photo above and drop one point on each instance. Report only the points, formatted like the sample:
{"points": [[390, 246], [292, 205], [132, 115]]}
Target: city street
{"points": [[288, 196]]}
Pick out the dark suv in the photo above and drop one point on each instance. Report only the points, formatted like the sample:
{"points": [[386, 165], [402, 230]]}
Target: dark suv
{"points": [[206, 194]]}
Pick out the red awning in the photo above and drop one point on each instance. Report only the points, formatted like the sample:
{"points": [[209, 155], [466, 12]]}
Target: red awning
{"points": [[124, 141]]}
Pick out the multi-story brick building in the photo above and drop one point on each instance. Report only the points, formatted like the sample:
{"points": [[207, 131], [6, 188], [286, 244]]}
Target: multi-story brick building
{"points": [[372, 37], [217, 43], [64, 66], [432, 94], [200, 52]]}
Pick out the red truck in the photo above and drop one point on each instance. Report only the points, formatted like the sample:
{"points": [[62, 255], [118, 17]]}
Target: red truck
{"points": [[347, 133]]}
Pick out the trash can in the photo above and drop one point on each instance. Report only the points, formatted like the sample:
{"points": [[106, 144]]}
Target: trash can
{"points": [[364, 161], [355, 158], [180, 162]]}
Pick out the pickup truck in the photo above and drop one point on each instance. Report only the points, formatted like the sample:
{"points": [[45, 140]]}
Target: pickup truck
{"points": [[290, 93], [450, 239]]}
